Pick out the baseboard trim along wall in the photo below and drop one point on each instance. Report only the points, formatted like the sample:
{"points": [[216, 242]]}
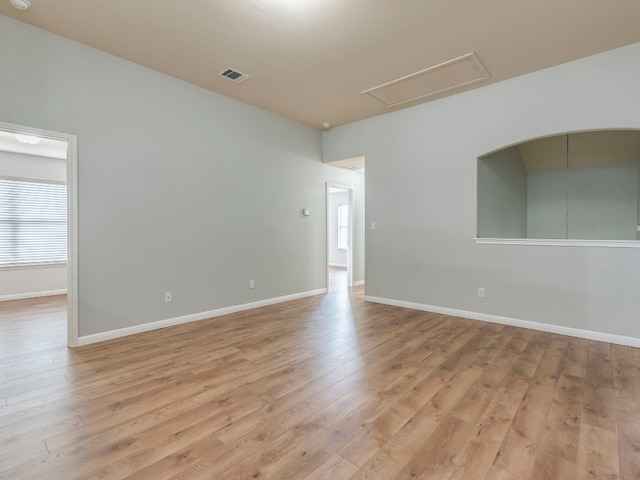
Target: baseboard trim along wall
{"points": [[341, 265], [170, 322], [23, 296], [358, 283], [544, 327]]}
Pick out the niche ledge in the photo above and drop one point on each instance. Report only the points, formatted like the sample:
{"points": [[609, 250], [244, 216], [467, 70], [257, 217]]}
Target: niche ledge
{"points": [[558, 242]]}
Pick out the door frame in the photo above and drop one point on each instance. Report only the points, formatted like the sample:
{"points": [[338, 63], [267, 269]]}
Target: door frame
{"points": [[350, 190], [72, 219]]}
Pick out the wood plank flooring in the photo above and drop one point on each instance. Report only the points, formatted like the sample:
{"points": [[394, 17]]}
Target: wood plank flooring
{"points": [[327, 387]]}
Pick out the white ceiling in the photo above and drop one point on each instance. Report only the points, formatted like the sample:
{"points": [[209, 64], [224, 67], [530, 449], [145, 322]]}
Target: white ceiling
{"points": [[46, 147], [311, 60]]}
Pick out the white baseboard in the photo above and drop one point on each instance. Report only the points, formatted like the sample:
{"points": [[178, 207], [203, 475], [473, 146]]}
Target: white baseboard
{"points": [[341, 265], [515, 322], [22, 296], [358, 283], [194, 317]]}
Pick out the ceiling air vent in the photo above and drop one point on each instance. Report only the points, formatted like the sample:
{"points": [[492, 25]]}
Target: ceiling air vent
{"points": [[234, 75]]}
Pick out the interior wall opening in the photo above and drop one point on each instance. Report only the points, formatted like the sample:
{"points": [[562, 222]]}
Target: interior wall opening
{"points": [[570, 187], [37, 214]]}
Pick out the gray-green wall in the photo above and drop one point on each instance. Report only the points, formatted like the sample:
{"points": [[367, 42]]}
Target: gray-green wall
{"points": [[603, 203], [180, 189], [421, 192], [502, 195]]}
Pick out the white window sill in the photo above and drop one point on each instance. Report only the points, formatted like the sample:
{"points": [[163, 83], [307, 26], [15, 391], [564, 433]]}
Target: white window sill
{"points": [[32, 266], [559, 242]]}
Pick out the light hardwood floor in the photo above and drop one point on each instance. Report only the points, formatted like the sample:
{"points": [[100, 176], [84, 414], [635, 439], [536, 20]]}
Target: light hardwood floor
{"points": [[328, 387]]}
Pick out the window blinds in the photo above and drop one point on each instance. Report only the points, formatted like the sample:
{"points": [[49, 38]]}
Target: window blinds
{"points": [[33, 222]]}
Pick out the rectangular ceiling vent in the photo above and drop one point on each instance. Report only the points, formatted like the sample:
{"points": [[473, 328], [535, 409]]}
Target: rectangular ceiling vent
{"points": [[440, 78], [234, 75]]}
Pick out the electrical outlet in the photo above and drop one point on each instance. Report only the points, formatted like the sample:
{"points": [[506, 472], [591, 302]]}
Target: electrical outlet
{"points": [[251, 284], [168, 297], [481, 292]]}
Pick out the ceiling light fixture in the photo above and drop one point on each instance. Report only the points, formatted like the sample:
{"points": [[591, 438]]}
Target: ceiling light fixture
{"points": [[287, 7], [20, 4], [326, 125], [28, 139]]}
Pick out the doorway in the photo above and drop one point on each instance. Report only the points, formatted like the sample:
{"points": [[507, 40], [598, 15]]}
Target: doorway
{"points": [[29, 155], [339, 236]]}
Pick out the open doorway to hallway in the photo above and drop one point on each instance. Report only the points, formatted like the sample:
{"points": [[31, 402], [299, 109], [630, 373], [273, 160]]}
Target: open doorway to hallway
{"points": [[339, 236], [341, 226]]}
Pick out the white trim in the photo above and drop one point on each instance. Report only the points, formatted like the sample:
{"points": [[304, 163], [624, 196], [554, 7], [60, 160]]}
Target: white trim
{"points": [[555, 242], [72, 274], [358, 283], [194, 317], [32, 266], [22, 296], [341, 265], [72, 219], [515, 322]]}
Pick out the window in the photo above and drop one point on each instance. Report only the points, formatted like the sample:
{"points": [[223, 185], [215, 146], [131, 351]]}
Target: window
{"points": [[343, 227], [33, 222]]}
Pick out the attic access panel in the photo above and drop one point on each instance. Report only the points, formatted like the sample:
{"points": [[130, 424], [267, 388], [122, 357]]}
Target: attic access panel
{"points": [[446, 76]]}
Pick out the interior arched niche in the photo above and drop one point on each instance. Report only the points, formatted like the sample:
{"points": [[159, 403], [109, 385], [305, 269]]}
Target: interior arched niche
{"points": [[570, 186]]}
